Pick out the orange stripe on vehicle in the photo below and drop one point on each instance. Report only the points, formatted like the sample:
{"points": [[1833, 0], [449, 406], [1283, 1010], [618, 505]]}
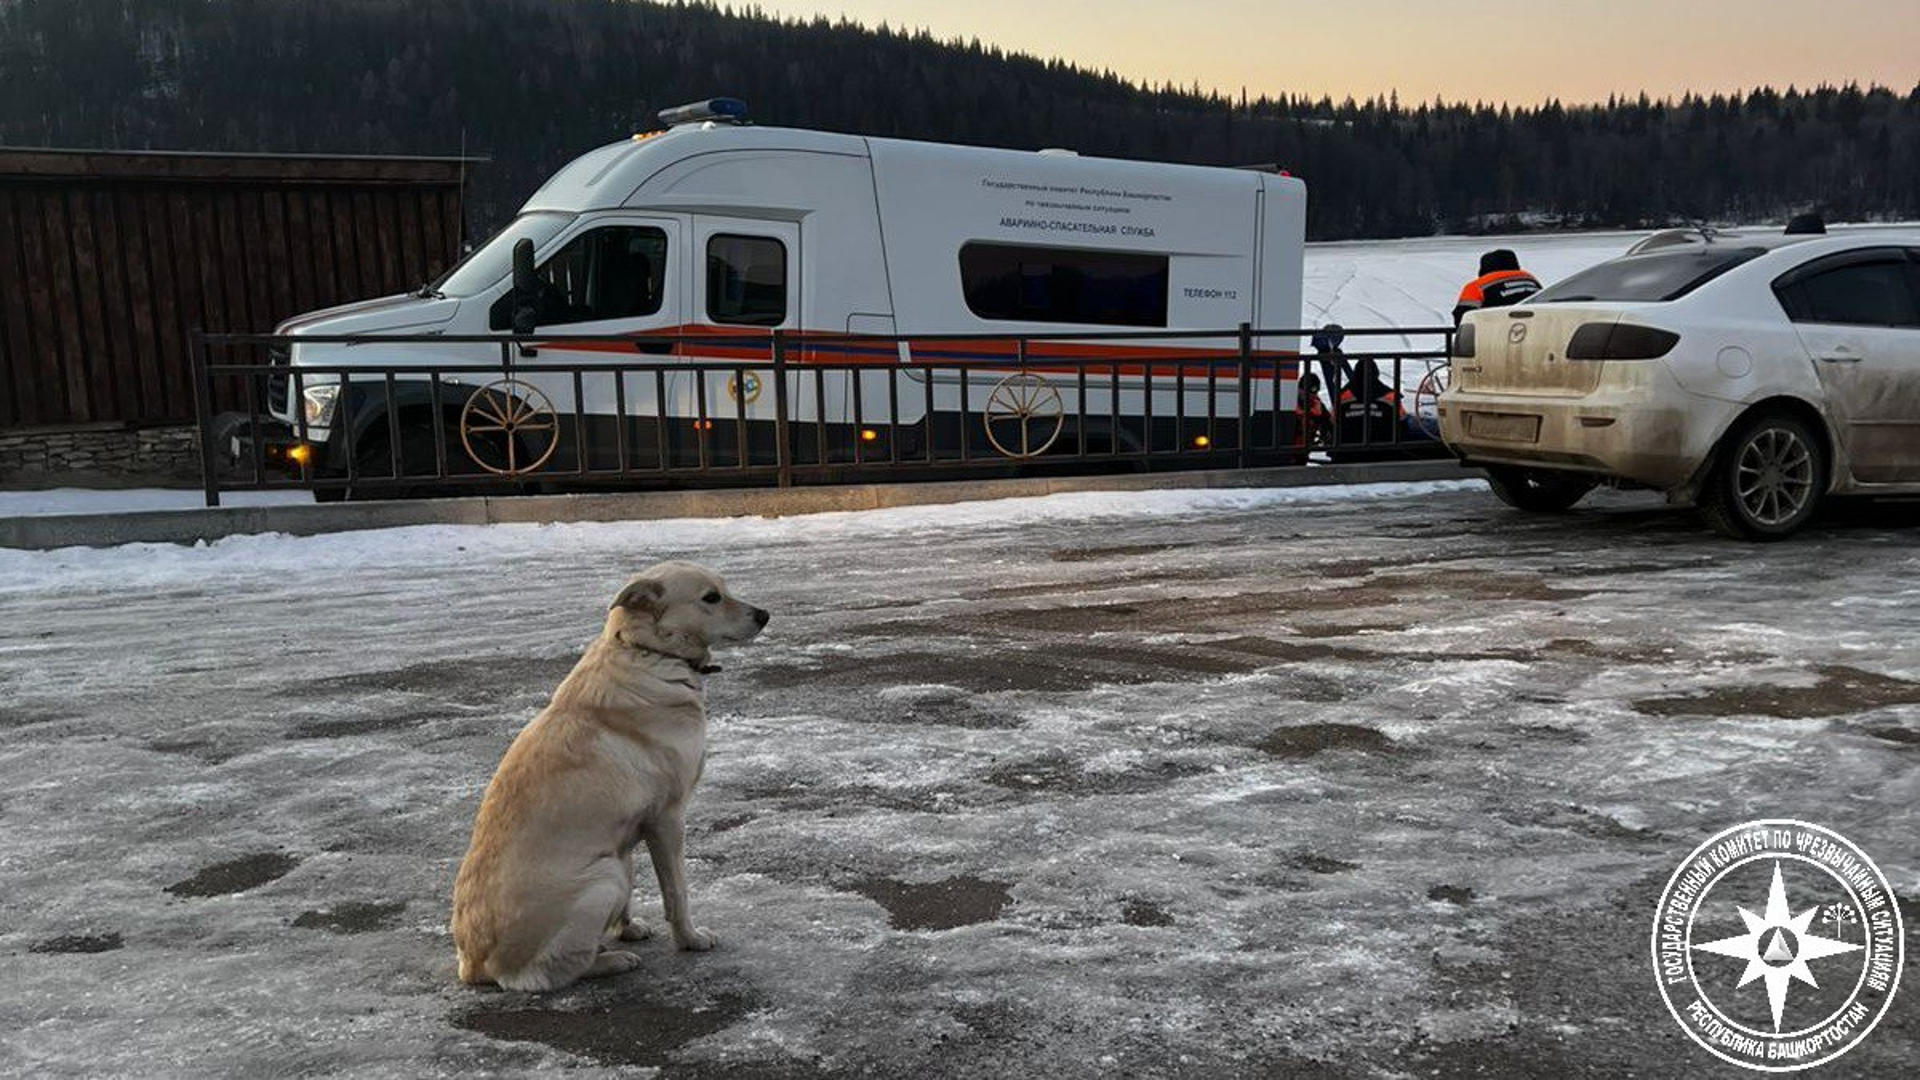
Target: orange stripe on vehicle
{"points": [[853, 350]]}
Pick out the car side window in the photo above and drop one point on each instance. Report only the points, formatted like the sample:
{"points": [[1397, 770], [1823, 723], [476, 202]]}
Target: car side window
{"points": [[1877, 292], [612, 272], [746, 280]]}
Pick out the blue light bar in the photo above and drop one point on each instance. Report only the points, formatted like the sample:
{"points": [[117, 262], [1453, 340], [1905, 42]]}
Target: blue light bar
{"points": [[720, 110]]}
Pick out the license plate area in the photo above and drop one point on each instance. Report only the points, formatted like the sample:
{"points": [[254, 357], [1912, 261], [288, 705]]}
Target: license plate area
{"points": [[1504, 427]]}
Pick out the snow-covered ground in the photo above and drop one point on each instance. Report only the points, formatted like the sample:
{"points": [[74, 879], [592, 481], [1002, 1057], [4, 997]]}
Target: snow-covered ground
{"points": [[1349, 783], [1415, 282], [132, 500]]}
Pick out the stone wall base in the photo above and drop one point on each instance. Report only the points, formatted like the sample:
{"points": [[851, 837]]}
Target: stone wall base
{"points": [[98, 456]]}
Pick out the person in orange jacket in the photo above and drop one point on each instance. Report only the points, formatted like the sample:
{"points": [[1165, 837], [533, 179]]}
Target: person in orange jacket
{"points": [[1501, 284]]}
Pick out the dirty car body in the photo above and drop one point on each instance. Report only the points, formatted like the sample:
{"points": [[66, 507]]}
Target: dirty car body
{"points": [[1645, 371]]}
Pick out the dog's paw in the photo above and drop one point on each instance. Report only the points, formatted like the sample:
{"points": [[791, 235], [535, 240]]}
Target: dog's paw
{"points": [[695, 940], [612, 962], [635, 931]]}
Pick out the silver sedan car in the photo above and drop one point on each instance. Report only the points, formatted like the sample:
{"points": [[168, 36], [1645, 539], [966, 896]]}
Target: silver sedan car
{"points": [[1752, 376]]}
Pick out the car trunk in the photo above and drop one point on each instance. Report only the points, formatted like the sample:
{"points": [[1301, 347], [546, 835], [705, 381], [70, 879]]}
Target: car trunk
{"points": [[1523, 350]]}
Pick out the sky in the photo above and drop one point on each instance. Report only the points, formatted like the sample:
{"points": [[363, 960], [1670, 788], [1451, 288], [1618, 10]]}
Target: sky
{"points": [[1476, 51]]}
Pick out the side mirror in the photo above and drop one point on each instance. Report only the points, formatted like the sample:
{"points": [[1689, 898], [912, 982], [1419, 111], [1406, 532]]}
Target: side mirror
{"points": [[526, 290]]}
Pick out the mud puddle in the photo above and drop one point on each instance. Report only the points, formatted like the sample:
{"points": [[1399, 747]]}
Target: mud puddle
{"points": [[236, 875], [1839, 691], [938, 905]]}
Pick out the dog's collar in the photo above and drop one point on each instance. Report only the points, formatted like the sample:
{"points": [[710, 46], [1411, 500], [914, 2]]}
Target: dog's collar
{"points": [[692, 665]]}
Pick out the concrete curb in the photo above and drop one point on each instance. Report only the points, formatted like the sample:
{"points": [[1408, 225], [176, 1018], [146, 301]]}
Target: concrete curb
{"points": [[49, 531]]}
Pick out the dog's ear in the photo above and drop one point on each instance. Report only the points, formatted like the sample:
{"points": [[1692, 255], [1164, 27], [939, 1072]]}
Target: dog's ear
{"points": [[642, 595]]}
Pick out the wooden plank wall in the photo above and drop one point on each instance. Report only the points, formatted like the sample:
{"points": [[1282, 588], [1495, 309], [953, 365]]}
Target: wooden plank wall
{"points": [[102, 279]]}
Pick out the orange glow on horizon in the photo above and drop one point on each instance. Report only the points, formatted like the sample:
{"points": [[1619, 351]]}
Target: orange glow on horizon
{"points": [[1575, 53]]}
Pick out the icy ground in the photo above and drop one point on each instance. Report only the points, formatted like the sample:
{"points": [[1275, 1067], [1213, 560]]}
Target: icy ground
{"points": [[1345, 783]]}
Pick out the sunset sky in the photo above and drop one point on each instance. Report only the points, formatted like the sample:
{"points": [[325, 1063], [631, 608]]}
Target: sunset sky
{"points": [[1515, 52]]}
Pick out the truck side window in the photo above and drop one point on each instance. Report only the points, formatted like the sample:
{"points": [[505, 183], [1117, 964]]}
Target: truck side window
{"points": [[1017, 283], [746, 280], [613, 272]]}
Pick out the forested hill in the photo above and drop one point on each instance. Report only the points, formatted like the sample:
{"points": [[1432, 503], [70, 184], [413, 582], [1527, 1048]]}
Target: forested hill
{"points": [[534, 82]]}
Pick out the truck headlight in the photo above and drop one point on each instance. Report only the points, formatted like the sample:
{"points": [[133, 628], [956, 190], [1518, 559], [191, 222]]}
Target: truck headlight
{"points": [[319, 402]]}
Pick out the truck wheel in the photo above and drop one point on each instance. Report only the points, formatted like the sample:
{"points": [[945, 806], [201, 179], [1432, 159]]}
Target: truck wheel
{"points": [[1539, 491], [1767, 480], [373, 457]]}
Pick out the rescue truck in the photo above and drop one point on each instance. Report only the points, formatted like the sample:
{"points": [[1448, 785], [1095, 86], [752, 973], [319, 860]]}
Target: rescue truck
{"points": [[863, 251]]}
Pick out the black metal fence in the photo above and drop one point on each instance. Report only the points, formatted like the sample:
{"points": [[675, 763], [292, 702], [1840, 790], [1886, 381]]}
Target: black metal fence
{"points": [[371, 416]]}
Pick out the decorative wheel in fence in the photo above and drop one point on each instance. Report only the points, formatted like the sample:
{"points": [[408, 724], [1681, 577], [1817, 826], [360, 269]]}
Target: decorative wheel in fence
{"points": [[1023, 415], [1426, 399], [509, 428]]}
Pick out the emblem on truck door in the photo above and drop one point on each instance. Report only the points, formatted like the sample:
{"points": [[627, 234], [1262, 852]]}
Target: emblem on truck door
{"points": [[1517, 333], [744, 388]]}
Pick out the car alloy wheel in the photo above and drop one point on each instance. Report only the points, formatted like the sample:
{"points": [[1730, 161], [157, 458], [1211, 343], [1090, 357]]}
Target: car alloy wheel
{"points": [[1773, 475]]}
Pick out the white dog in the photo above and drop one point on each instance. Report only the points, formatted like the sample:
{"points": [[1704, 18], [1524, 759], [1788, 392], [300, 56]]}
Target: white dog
{"points": [[547, 880]]}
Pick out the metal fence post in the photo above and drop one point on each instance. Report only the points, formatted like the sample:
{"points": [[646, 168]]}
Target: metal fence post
{"points": [[1245, 456], [783, 445], [203, 414]]}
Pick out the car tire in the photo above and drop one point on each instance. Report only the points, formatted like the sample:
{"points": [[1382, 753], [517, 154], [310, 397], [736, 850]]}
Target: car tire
{"points": [[1539, 491], [1767, 480]]}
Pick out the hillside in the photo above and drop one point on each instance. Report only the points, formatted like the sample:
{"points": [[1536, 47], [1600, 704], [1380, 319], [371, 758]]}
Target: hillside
{"points": [[534, 82]]}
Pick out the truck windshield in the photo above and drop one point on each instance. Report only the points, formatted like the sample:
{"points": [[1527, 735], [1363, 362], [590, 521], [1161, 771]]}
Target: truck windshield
{"points": [[1666, 275], [493, 260]]}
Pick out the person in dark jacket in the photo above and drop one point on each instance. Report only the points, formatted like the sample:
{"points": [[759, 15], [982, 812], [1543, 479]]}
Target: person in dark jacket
{"points": [[1501, 284]]}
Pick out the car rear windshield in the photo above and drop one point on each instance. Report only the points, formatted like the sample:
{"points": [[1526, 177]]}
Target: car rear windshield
{"points": [[1665, 275]]}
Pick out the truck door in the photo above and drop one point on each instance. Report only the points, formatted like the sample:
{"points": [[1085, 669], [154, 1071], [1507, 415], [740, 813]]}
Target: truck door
{"points": [[612, 275], [746, 283]]}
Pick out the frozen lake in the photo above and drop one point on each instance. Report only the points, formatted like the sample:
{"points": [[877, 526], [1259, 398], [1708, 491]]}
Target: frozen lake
{"points": [[1350, 783]]}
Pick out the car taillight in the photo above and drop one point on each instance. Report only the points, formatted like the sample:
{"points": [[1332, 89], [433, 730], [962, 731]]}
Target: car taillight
{"points": [[1620, 341], [1463, 341]]}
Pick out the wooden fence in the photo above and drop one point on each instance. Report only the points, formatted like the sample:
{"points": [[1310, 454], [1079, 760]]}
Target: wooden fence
{"points": [[109, 260]]}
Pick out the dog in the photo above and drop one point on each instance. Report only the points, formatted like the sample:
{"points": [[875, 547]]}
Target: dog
{"points": [[547, 881]]}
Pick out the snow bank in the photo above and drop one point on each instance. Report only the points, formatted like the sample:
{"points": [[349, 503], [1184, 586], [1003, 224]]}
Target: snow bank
{"points": [[133, 500], [153, 565]]}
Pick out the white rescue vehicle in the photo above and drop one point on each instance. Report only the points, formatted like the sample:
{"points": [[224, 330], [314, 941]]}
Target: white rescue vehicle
{"points": [[714, 228]]}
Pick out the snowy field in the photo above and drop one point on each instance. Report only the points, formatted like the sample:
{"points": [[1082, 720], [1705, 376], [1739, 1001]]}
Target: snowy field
{"points": [[1350, 783], [1415, 282]]}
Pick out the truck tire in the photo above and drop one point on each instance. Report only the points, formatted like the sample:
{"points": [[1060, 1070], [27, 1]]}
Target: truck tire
{"points": [[1539, 491], [373, 457], [1767, 480]]}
